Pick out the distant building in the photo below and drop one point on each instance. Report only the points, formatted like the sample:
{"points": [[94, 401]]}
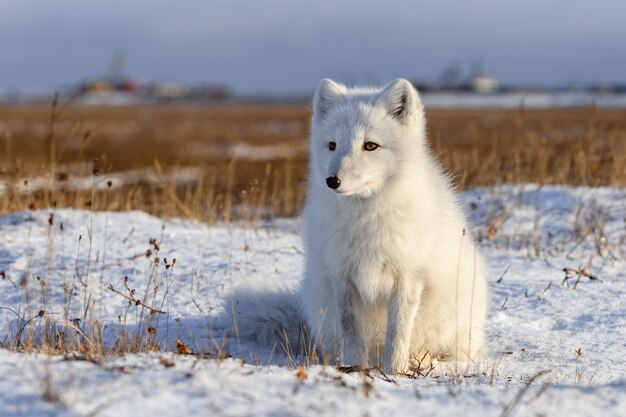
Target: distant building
{"points": [[164, 90], [484, 84], [113, 80], [102, 85], [97, 86], [116, 87]]}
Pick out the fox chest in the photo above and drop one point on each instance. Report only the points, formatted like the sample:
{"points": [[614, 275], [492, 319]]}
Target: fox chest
{"points": [[371, 256]]}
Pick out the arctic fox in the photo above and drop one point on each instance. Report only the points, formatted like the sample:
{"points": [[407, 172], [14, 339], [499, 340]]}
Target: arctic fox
{"points": [[392, 275]]}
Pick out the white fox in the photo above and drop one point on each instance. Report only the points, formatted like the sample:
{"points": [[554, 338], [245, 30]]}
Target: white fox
{"points": [[392, 275]]}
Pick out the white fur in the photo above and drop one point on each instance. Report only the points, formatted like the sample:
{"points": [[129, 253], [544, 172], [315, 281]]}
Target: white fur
{"points": [[391, 268], [269, 316]]}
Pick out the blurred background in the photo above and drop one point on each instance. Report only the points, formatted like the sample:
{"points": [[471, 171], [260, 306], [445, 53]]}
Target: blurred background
{"points": [[201, 109]]}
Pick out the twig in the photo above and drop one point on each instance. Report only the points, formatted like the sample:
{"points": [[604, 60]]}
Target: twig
{"points": [[508, 409], [136, 302], [196, 304], [578, 273], [503, 273]]}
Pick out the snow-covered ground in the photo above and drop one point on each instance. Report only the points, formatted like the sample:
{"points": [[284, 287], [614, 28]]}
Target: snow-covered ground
{"points": [[555, 346], [533, 100]]}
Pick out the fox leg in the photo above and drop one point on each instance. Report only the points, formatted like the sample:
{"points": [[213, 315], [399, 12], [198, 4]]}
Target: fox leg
{"points": [[349, 306], [403, 307]]}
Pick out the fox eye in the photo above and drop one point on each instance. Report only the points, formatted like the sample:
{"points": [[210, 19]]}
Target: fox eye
{"points": [[332, 146], [370, 146]]}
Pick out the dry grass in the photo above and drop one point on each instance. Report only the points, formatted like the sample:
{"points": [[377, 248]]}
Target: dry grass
{"points": [[58, 145], [250, 161], [75, 324]]}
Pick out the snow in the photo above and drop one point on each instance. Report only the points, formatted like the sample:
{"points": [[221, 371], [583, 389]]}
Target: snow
{"points": [[147, 176], [142, 386], [534, 100], [513, 99], [249, 152], [554, 347]]}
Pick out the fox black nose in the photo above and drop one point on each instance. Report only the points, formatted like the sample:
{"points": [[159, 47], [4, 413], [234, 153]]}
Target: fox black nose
{"points": [[333, 182]]}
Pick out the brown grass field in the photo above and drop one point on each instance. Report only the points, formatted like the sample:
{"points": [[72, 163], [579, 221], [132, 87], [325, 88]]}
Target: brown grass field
{"points": [[215, 163]]}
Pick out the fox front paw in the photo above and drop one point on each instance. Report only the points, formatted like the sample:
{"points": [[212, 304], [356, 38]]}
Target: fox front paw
{"points": [[397, 365]]}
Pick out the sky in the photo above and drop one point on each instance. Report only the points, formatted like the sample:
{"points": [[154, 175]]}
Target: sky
{"points": [[287, 46]]}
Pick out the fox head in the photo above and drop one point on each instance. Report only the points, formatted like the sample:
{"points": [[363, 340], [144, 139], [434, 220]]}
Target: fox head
{"points": [[361, 139]]}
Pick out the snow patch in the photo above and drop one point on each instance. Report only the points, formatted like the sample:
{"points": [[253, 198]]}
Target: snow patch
{"points": [[537, 320]]}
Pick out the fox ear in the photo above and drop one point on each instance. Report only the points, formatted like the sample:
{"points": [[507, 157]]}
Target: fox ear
{"points": [[401, 100], [327, 94]]}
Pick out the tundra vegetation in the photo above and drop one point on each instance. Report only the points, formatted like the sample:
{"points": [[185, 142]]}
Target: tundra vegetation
{"points": [[234, 172]]}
